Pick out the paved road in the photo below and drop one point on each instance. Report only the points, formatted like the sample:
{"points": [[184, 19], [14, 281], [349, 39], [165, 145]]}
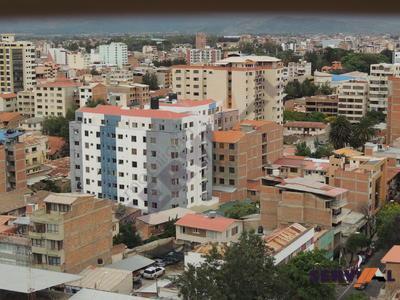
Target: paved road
{"points": [[372, 290]]}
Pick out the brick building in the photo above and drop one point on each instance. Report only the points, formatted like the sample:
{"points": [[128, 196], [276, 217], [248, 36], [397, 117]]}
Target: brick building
{"points": [[393, 112]]}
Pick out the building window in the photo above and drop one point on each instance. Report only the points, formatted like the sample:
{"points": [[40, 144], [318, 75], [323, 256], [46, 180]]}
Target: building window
{"points": [[53, 260], [52, 228], [232, 146], [231, 158], [231, 182]]}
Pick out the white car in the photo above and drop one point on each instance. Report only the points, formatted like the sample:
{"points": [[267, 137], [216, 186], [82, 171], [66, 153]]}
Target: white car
{"points": [[153, 272]]}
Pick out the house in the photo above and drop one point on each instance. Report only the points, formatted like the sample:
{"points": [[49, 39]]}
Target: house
{"points": [[56, 145], [304, 128], [392, 263], [200, 228], [10, 120], [134, 264], [154, 224], [198, 255]]}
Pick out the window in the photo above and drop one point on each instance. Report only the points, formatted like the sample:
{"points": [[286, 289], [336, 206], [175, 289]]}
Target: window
{"points": [[221, 169], [234, 230], [134, 151], [232, 170], [174, 155], [221, 181], [53, 260], [52, 228], [221, 157], [232, 146], [231, 158], [231, 182], [153, 153], [153, 140], [154, 205], [221, 145], [134, 164]]}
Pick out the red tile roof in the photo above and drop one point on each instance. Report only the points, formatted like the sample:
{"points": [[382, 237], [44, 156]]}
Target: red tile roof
{"points": [[254, 123], [60, 83], [305, 124], [8, 95], [188, 103], [55, 144], [147, 113], [392, 256], [199, 221], [9, 116], [229, 136]]}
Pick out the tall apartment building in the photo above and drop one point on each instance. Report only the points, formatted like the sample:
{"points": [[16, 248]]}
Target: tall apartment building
{"points": [[135, 94], [353, 100], [203, 56], [8, 102], [251, 84], [393, 113], [152, 159], [201, 40], [242, 155], [72, 232], [58, 55], [54, 98], [26, 103], [297, 70], [92, 92], [115, 54], [379, 85], [363, 176], [17, 61]]}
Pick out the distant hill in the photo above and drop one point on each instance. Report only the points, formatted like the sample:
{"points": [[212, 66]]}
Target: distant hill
{"points": [[216, 24]]}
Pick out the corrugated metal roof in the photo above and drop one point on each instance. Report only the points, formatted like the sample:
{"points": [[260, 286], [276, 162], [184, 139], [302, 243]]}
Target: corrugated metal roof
{"points": [[132, 264], [85, 294]]}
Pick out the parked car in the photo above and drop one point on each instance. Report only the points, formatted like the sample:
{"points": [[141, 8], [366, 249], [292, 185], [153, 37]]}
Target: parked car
{"points": [[153, 272], [159, 262]]}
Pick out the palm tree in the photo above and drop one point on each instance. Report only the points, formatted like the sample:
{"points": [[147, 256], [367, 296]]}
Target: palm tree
{"points": [[340, 133], [362, 132]]}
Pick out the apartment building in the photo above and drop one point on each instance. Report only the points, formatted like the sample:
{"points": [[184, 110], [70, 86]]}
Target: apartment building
{"points": [[26, 103], [58, 55], [76, 60], [55, 97], [71, 232], [379, 85], [251, 84], [203, 56], [114, 54], [242, 155], [118, 76], [353, 100], [201, 40], [36, 149], [327, 105], [8, 102], [17, 61], [131, 95], [393, 112], [164, 77], [301, 200], [152, 159], [92, 92], [200, 229], [304, 128], [363, 176], [297, 70]]}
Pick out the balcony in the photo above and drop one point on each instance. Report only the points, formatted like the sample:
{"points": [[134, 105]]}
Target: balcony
{"points": [[41, 216], [336, 219], [48, 251]]}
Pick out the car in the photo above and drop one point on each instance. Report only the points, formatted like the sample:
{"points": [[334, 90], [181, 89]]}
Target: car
{"points": [[153, 272], [159, 263]]}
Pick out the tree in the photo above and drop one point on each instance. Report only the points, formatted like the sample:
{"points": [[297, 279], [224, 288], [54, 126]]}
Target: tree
{"points": [[241, 209], [293, 90], [325, 89], [295, 275], [340, 132], [362, 132], [245, 271], [387, 221], [308, 88], [59, 126], [303, 150], [376, 117], [151, 80], [362, 61], [388, 53], [322, 151], [127, 236], [356, 242]]}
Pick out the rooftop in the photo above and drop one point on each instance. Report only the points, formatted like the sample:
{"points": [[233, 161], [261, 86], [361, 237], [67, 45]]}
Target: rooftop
{"points": [[349, 152], [132, 263], [9, 116], [60, 167], [188, 103], [7, 135], [27, 280], [281, 238], [228, 136], [392, 256], [13, 200], [85, 294], [248, 58], [165, 215], [8, 95], [205, 222], [59, 83], [56, 143], [301, 161], [64, 198], [145, 113]]}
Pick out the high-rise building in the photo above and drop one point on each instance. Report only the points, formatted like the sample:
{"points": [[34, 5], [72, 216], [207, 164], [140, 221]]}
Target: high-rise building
{"points": [[251, 84], [17, 61], [201, 40], [152, 159], [115, 54], [393, 115], [200, 56], [353, 100], [378, 85], [72, 232]]}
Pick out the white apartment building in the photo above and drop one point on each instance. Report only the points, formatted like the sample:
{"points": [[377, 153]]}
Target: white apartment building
{"points": [[26, 103], [59, 55], [378, 85], [116, 76], [251, 84], [77, 60], [92, 92], [353, 100], [114, 54], [17, 64], [297, 70], [199, 56], [54, 98], [152, 159]]}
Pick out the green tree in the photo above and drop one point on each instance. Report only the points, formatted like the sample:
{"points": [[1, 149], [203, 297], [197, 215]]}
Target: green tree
{"points": [[303, 150], [308, 88], [357, 296], [388, 53], [295, 275], [362, 132], [241, 209], [387, 222], [356, 242], [127, 236], [322, 151], [376, 116], [362, 61], [246, 271], [325, 89], [293, 90], [340, 132], [151, 80]]}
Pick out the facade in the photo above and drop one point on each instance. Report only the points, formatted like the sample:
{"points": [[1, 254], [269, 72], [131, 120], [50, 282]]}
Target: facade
{"points": [[8, 102], [200, 56], [164, 77], [242, 155], [152, 159], [114, 54], [226, 119], [72, 232], [92, 92], [17, 64], [201, 229], [379, 85], [327, 105], [201, 40], [304, 128], [298, 70], [393, 113], [118, 76], [54, 98], [26, 103], [58, 55], [353, 100], [36, 149], [251, 84], [134, 94]]}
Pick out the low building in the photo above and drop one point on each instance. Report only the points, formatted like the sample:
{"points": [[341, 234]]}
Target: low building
{"points": [[197, 256], [154, 224], [304, 128], [134, 264], [285, 243], [92, 92], [32, 124], [327, 105], [199, 229], [392, 263], [26, 103], [8, 102], [10, 120]]}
